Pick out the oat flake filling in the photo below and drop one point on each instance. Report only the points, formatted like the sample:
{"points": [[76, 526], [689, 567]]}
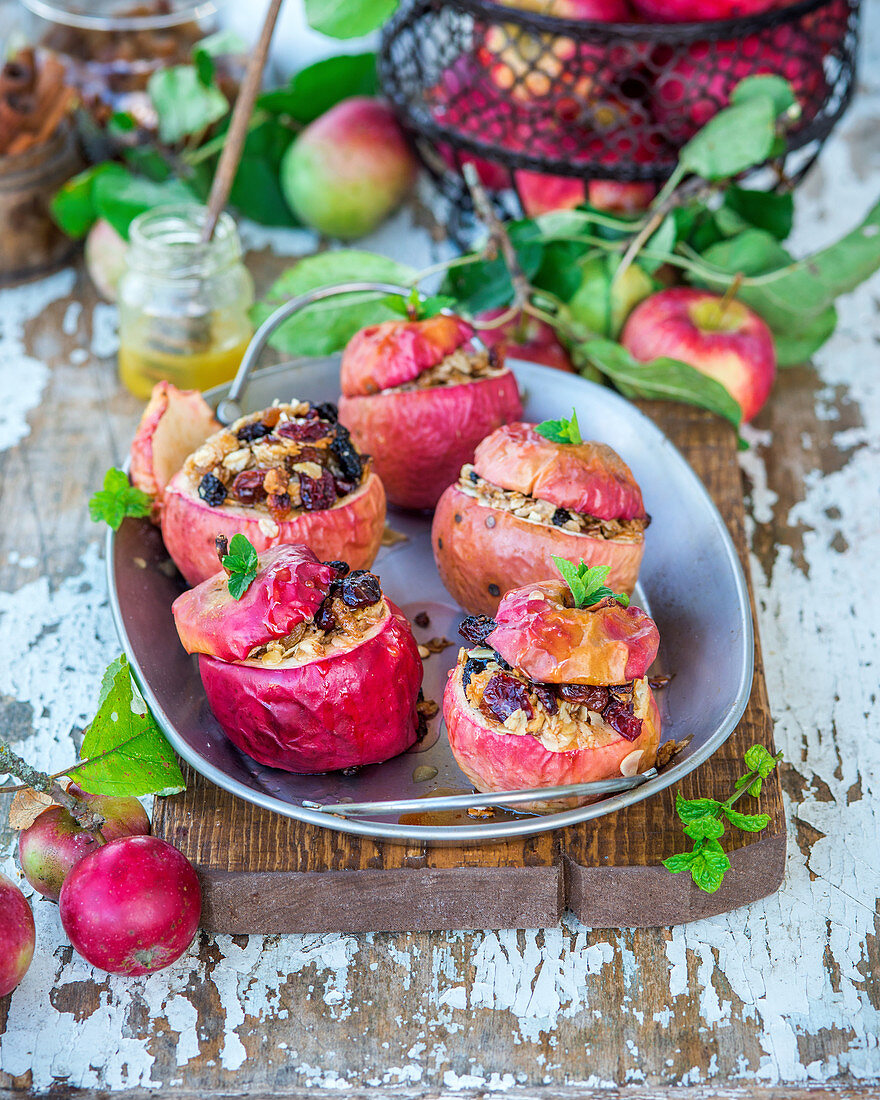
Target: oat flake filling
{"points": [[460, 366]]}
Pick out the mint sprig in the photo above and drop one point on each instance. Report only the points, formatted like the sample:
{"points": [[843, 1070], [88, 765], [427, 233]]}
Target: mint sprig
{"points": [[241, 565], [118, 499], [561, 431], [587, 583], [704, 822]]}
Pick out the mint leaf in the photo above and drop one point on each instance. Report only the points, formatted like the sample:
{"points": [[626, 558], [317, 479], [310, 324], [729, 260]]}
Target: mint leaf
{"points": [[571, 576], [679, 862], [708, 868], [117, 500], [751, 823], [758, 759], [561, 431], [705, 828], [693, 809], [587, 583], [755, 788], [124, 751], [241, 563]]}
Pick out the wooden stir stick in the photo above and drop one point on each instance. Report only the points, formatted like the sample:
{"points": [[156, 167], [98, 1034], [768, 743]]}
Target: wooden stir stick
{"points": [[238, 126]]}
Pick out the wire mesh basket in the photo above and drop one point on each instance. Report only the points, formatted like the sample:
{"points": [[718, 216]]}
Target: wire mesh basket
{"points": [[540, 104]]}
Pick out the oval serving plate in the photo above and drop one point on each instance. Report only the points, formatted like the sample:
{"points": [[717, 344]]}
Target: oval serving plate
{"points": [[690, 580]]}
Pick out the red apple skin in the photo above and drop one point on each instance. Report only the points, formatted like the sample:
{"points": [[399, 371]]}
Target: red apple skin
{"points": [[540, 193], [495, 761], [393, 353], [350, 531], [617, 197], [481, 552], [339, 712], [132, 906], [691, 11], [556, 644], [742, 357], [50, 848], [17, 936], [420, 439], [524, 337]]}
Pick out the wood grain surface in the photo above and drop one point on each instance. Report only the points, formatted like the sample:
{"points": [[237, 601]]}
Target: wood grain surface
{"points": [[262, 872]]}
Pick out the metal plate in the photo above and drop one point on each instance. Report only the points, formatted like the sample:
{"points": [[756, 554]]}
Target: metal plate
{"points": [[690, 580]]}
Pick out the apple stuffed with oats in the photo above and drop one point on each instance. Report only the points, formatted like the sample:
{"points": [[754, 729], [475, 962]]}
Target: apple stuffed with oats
{"points": [[534, 491], [306, 665], [554, 689], [419, 396]]}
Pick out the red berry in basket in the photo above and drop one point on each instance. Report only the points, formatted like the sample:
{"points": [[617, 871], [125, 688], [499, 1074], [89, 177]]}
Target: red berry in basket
{"points": [[132, 906], [16, 936]]}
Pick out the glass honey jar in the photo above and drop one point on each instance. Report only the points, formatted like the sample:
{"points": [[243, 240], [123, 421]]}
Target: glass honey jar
{"points": [[183, 303]]}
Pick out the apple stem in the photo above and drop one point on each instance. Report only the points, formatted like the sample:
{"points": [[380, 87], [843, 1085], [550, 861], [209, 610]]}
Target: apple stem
{"points": [[80, 811], [730, 293], [221, 543]]}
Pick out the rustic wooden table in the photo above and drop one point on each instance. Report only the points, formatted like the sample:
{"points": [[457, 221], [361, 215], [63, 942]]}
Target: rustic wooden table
{"points": [[782, 995]]}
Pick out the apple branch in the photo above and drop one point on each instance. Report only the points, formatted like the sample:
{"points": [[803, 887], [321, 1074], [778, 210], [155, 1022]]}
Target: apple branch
{"points": [[499, 239], [80, 811]]}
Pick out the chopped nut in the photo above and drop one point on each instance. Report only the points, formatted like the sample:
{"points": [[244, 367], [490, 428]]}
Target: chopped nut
{"points": [[424, 652], [391, 537], [668, 749], [481, 811], [236, 461], [428, 707], [276, 481], [437, 645], [269, 528]]}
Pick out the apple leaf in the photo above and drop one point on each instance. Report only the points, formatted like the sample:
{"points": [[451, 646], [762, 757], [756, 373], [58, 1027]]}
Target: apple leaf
{"points": [[73, 205], [348, 18], [737, 138], [769, 86], [120, 196], [185, 105], [797, 346], [767, 210], [327, 326], [486, 284], [124, 752], [317, 88]]}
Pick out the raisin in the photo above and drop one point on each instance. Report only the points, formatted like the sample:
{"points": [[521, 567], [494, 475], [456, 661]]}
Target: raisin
{"points": [[341, 567], [326, 410], [505, 695], [324, 617], [561, 516], [278, 504], [361, 588], [585, 695], [317, 493], [303, 431], [474, 476], [343, 488], [422, 619], [248, 486], [620, 717], [212, 490], [250, 432], [546, 697], [350, 462], [477, 628], [472, 666]]}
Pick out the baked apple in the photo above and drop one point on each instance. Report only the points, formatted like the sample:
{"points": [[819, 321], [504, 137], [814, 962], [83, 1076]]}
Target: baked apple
{"points": [[553, 692], [312, 669], [418, 396], [527, 497], [287, 474]]}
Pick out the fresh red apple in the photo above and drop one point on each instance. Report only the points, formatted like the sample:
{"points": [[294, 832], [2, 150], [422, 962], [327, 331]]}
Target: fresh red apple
{"points": [[55, 843], [131, 906], [692, 11], [349, 169], [524, 337], [725, 340], [418, 397], [540, 193], [17, 935], [619, 197]]}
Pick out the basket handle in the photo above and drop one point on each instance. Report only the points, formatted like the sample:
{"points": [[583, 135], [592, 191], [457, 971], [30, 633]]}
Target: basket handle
{"points": [[229, 409]]}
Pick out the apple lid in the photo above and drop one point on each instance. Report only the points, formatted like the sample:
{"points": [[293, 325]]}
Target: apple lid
{"points": [[395, 352]]}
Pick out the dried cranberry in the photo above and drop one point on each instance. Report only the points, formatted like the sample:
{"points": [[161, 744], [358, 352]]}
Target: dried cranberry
{"points": [[561, 516], [343, 488], [476, 628], [505, 695], [317, 493], [546, 697], [324, 617], [248, 486], [212, 490], [278, 504], [620, 717], [250, 432], [361, 588], [341, 567], [304, 431], [350, 462], [585, 695]]}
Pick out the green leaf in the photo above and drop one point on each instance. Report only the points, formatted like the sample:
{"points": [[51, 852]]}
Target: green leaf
{"points": [[796, 347], [120, 197], [661, 379], [767, 210], [705, 828], [486, 284], [709, 866], [755, 789], [662, 241], [759, 759], [571, 576], [327, 326], [775, 88], [135, 759], [752, 252], [117, 500], [348, 18], [561, 431], [751, 823], [737, 138], [256, 190], [220, 44], [694, 808], [73, 205], [318, 87], [587, 583], [183, 103], [559, 272], [679, 862], [241, 563]]}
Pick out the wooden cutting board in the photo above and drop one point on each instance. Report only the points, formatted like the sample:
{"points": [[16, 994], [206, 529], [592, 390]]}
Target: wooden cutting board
{"points": [[261, 872]]}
